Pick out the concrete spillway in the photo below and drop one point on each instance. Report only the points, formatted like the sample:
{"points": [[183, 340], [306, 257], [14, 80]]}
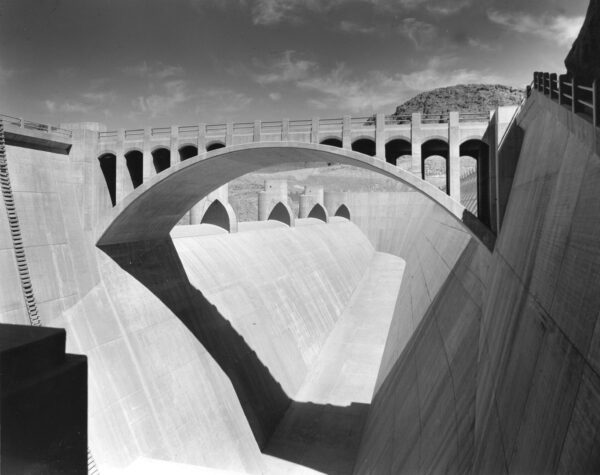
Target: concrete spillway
{"points": [[399, 333]]}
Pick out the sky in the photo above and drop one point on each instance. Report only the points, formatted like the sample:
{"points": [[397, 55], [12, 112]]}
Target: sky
{"points": [[139, 63]]}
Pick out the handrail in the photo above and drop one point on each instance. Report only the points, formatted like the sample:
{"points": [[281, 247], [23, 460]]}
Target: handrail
{"points": [[581, 98], [28, 124]]}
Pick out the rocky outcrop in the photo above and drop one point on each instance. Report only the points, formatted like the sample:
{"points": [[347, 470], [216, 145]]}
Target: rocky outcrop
{"points": [[583, 60]]}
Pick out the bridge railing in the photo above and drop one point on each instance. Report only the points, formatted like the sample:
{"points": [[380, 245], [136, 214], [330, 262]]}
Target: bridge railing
{"points": [[27, 124], [582, 97]]}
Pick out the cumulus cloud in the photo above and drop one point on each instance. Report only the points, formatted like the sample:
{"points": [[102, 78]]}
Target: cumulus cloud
{"points": [[339, 89], [283, 68], [558, 28], [422, 34]]}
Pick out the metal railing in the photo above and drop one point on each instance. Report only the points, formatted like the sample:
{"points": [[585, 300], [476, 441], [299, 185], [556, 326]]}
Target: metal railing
{"points": [[581, 97], [27, 124]]}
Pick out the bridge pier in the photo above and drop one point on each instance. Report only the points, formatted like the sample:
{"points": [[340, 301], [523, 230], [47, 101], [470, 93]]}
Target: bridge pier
{"points": [[453, 165], [311, 196], [275, 191], [380, 136], [416, 140]]}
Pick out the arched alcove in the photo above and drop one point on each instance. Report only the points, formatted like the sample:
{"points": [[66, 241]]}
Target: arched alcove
{"points": [[318, 212], [108, 165], [161, 157], [332, 142], [343, 212], [434, 163], [187, 151], [281, 213], [219, 215], [397, 148], [214, 146], [366, 146], [135, 166]]}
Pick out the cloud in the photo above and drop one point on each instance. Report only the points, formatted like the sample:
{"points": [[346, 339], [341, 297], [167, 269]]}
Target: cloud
{"points": [[174, 93], [447, 7], [422, 34], [339, 90], [351, 27], [558, 28], [275, 96], [156, 70], [84, 103], [284, 68]]}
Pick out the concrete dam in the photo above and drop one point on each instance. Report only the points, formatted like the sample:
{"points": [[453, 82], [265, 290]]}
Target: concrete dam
{"points": [[410, 338]]}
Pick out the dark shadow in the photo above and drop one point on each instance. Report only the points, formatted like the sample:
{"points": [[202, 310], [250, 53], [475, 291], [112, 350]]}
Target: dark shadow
{"points": [[480, 151], [332, 142], [158, 267], [214, 146], [162, 159], [108, 165], [281, 213], [366, 146], [477, 227], [187, 151], [314, 435], [439, 148], [397, 148], [318, 212], [135, 166], [217, 214], [343, 212]]}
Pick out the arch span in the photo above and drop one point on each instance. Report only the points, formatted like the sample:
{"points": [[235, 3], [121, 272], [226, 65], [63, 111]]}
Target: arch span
{"points": [[343, 212], [282, 213], [220, 215], [108, 165], [151, 210], [318, 212]]}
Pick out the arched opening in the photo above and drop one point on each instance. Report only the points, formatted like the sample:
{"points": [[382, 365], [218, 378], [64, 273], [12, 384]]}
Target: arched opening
{"points": [[187, 151], [161, 157], [318, 212], [366, 146], [135, 166], [434, 163], [217, 214], [478, 152], [108, 165], [332, 142], [214, 146], [396, 149], [281, 213], [343, 212], [469, 183]]}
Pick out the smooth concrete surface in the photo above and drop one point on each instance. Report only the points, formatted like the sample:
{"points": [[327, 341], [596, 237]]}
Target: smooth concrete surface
{"points": [[322, 428]]}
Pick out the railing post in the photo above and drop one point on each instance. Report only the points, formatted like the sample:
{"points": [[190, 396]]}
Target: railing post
{"points": [[285, 130], [574, 88], [553, 78], [561, 80], [596, 101], [256, 133], [416, 140], [314, 130], [547, 84], [347, 133], [453, 162], [121, 167], [380, 136], [148, 170]]}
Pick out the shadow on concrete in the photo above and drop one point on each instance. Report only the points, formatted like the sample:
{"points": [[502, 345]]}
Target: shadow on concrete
{"points": [[313, 435]]}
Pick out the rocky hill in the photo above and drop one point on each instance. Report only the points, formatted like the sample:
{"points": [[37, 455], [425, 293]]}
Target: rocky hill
{"points": [[462, 98]]}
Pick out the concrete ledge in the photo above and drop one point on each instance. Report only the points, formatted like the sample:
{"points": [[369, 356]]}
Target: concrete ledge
{"points": [[37, 140]]}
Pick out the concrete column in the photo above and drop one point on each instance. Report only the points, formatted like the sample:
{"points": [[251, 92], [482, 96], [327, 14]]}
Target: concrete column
{"points": [[380, 136], [347, 133], [148, 165], [285, 129], [174, 144], [201, 137], [314, 130], [229, 134], [256, 135], [453, 165], [121, 167], [312, 195], [416, 139], [274, 192]]}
